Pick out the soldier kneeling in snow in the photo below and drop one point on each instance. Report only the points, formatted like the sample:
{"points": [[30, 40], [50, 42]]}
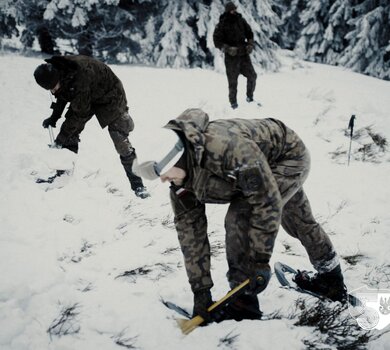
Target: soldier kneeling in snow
{"points": [[258, 166], [92, 89]]}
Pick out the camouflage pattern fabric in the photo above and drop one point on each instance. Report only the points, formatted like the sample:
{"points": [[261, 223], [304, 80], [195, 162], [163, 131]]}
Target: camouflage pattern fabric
{"points": [[92, 88], [119, 131], [259, 167]]}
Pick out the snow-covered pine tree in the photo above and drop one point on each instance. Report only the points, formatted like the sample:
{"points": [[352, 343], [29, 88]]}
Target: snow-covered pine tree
{"points": [[29, 18], [185, 29], [334, 41], [290, 26], [8, 20], [315, 19], [164, 33], [264, 23], [177, 45], [368, 49], [208, 17], [94, 27]]}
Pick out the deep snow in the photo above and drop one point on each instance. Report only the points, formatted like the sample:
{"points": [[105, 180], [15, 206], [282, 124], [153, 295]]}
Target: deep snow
{"points": [[65, 247]]}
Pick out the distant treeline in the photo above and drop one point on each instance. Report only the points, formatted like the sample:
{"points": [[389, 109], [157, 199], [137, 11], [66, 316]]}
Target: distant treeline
{"points": [[167, 33]]}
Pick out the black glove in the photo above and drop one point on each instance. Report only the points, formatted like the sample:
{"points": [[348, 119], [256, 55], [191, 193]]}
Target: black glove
{"points": [[55, 145], [202, 301], [51, 121], [69, 142], [260, 277], [249, 49]]}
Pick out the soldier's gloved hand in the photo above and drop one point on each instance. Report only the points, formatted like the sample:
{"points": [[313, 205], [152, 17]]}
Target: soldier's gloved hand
{"points": [[202, 301], [51, 121], [55, 145], [259, 278], [249, 49], [231, 50]]}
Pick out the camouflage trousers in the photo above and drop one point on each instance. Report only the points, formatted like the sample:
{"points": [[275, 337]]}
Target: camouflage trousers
{"points": [[249, 251], [236, 65], [297, 220], [119, 131]]}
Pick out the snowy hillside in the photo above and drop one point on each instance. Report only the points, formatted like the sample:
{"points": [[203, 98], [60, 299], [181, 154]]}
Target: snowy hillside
{"points": [[85, 266]]}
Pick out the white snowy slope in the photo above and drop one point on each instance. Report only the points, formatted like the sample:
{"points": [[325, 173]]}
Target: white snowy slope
{"points": [[63, 250]]}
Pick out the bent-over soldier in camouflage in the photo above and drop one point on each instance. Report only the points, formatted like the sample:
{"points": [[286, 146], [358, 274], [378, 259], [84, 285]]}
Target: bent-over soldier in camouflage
{"points": [[259, 167], [92, 88]]}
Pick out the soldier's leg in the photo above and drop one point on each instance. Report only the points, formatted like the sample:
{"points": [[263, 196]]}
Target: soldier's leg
{"points": [[119, 131], [297, 217], [299, 222], [249, 72], [232, 65], [238, 245], [237, 241], [191, 225], [245, 306]]}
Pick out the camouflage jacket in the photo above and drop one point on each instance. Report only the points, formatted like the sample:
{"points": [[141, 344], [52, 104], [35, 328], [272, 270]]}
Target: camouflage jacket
{"points": [[228, 159], [91, 88]]}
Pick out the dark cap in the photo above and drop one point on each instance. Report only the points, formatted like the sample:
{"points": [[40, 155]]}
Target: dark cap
{"points": [[47, 76], [230, 7]]}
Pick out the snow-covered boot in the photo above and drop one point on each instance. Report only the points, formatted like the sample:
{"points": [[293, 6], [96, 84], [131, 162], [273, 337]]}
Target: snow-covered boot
{"points": [[329, 284], [135, 181], [141, 192]]}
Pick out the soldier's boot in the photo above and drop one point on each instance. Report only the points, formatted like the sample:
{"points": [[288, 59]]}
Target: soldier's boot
{"points": [[244, 307], [135, 181], [329, 284]]}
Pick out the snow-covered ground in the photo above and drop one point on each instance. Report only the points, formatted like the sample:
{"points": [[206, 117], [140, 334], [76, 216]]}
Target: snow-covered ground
{"points": [[84, 266]]}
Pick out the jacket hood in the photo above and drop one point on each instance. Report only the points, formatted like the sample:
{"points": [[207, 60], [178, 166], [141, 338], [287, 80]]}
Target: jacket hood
{"points": [[192, 123]]}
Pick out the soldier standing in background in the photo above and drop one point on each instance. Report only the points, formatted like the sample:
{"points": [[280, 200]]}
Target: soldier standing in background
{"points": [[258, 166], [92, 89], [234, 37]]}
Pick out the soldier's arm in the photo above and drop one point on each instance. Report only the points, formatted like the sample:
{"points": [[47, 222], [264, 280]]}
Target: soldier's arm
{"points": [[248, 31], [259, 188], [78, 114], [70, 128], [218, 37], [58, 108], [191, 226]]}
